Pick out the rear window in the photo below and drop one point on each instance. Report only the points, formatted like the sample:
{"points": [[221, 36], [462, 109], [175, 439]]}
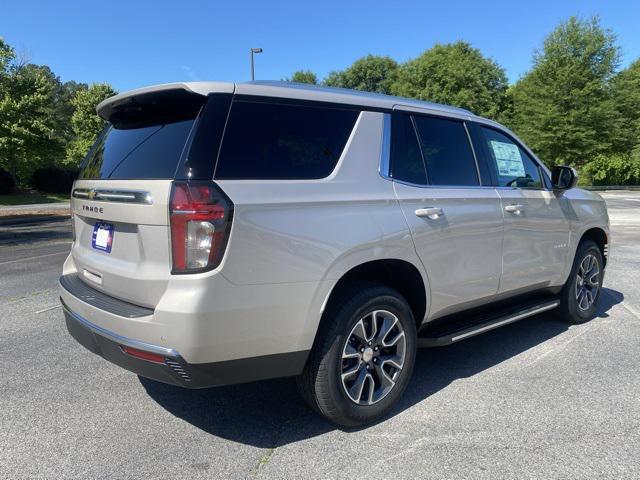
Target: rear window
{"points": [[281, 141], [150, 152]]}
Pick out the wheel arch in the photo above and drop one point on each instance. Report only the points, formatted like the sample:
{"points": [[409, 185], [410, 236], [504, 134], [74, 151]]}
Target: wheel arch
{"points": [[400, 275], [600, 237]]}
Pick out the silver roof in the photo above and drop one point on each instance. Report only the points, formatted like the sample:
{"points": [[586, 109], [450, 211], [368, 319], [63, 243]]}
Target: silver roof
{"points": [[340, 95], [291, 90]]}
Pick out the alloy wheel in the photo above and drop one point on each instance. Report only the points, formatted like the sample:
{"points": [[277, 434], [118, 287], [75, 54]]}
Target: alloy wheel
{"points": [[587, 282], [373, 357]]}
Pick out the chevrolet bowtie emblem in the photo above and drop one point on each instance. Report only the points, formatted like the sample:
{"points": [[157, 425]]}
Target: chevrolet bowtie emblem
{"points": [[92, 194]]}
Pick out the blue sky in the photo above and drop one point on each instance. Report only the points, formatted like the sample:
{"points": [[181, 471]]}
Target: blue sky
{"points": [[136, 43]]}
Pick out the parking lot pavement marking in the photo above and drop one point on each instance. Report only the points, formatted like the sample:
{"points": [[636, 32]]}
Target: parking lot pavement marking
{"points": [[631, 310], [555, 346], [48, 308]]}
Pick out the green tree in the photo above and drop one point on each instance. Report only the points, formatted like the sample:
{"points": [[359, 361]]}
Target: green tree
{"points": [[370, 74], [59, 111], [563, 107], [455, 74], [303, 76], [626, 94], [7, 55], [85, 122], [27, 132]]}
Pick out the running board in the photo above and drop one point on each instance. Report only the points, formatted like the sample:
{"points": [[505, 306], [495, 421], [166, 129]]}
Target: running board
{"points": [[452, 336]]}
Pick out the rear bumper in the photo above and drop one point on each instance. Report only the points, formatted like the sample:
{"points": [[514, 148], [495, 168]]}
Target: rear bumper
{"points": [[172, 368]]}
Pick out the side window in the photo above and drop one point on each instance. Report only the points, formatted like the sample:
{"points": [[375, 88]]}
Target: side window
{"points": [[279, 142], [406, 159], [447, 153], [513, 166]]}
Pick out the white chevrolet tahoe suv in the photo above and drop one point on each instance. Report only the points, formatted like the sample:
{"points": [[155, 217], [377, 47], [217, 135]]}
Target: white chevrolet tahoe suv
{"points": [[228, 233]]}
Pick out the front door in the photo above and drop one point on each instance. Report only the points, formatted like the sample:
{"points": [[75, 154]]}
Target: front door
{"points": [[536, 226]]}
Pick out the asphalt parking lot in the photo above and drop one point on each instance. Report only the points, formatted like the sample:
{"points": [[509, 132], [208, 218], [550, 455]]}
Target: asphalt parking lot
{"points": [[536, 399]]}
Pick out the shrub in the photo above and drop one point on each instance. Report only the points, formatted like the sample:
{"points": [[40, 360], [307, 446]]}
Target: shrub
{"points": [[614, 169], [6, 182], [54, 179]]}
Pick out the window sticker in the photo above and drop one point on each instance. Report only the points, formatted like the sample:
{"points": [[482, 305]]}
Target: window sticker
{"points": [[508, 159]]}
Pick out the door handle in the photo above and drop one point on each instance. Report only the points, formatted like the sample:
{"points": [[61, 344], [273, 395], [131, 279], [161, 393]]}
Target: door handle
{"points": [[517, 209], [432, 213]]}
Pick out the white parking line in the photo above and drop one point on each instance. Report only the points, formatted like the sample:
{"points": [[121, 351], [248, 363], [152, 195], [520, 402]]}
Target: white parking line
{"points": [[48, 308], [631, 310], [33, 258]]}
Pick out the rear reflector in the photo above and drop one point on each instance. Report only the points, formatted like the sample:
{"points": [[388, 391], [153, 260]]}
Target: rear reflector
{"points": [[141, 354], [200, 215]]}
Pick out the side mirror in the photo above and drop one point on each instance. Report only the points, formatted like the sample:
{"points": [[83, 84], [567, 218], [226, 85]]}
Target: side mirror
{"points": [[563, 178]]}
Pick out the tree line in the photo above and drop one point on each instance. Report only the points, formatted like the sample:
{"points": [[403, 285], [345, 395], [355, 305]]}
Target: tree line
{"points": [[44, 123], [573, 107]]}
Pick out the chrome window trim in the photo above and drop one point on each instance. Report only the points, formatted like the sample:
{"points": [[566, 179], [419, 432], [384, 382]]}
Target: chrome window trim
{"points": [[109, 195], [385, 157], [385, 147], [119, 339], [446, 187]]}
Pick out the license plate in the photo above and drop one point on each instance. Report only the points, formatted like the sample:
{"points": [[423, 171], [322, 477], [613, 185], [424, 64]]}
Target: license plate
{"points": [[102, 238]]}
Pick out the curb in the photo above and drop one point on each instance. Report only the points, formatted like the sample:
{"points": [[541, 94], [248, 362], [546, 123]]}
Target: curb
{"points": [[14, 220], [611, 188]]}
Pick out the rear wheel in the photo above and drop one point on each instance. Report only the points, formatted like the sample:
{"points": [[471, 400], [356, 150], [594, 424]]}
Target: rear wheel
{"points": [[580, 294], [363, 357]]}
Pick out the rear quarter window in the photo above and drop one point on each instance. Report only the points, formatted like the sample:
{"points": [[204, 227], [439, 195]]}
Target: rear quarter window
{"points": [[282, 141]]}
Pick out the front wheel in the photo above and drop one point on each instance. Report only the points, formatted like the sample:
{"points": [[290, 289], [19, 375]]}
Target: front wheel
{"points": [[580, 294], [363, 357]]}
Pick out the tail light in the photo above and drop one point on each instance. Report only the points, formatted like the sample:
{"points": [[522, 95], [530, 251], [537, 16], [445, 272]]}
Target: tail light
{"points": [[200, 216]]}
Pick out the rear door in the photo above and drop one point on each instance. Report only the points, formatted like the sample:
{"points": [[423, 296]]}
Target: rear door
{"points": [[536, 232], [120, 200], [455, 220]]}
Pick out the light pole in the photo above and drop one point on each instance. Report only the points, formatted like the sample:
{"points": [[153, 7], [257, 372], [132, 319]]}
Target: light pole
{"points": [[251, 52]]}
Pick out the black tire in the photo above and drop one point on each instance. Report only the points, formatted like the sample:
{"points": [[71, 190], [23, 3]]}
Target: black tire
{"points": [[321, 383], [570, 308]]}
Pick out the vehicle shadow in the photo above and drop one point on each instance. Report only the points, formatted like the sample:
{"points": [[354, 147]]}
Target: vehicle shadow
{"points": [[270, 414]]}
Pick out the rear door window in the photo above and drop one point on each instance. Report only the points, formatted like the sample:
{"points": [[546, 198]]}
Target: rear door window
{"points": [[406, 159], [447, 152], [283, 141]]}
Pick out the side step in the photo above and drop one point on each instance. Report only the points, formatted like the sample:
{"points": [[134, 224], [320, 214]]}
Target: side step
{"points": [[452, 332]]}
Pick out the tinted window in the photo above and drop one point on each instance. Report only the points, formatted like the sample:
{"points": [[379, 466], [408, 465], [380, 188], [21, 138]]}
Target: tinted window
{"points": [[203, 151], [513, 166], [447, 153], [137, 153], [277, 141], [406, 159]]}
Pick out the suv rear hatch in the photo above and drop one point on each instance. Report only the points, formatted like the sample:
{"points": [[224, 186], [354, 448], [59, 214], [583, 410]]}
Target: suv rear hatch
{"points": [[121, 200]]}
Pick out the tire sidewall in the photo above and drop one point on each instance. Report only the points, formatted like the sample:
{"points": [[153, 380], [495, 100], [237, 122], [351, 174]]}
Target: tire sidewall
{"points": [[358, 414], [574, 313]]}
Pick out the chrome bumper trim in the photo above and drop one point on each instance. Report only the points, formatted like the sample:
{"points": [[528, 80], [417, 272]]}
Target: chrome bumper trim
{"points": [[128, 342]]}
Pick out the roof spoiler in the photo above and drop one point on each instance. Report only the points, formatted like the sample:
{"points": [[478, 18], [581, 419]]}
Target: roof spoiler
{"points": [[156, 104]]}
